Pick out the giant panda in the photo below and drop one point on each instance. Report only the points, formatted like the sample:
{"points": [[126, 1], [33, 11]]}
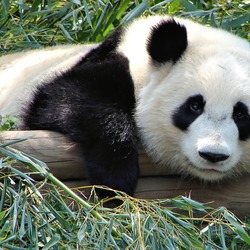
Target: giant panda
{"points": [[180, 88]]}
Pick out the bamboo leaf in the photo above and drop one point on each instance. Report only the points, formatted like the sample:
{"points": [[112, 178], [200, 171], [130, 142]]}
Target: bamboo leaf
{"points": [[237, 227], [237, 22], [60, 219], [52, 242], [137, 11], [187, 5]]}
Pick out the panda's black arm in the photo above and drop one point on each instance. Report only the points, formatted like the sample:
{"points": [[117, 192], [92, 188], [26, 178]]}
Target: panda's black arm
{"points": [[93, 104], [106, 137], [119, 172], [110, 149], [105, 134]]}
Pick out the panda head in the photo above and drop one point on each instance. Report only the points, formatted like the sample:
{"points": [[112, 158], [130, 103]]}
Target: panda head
{"points": [[194, 111]]}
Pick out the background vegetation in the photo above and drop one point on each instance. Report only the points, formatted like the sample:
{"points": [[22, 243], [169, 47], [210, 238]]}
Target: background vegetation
{"points": [[33, 218], [39, 23]]}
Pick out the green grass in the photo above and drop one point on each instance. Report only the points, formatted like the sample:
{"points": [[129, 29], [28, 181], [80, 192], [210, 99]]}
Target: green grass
{"points": [[36, 24], [48, 215]]}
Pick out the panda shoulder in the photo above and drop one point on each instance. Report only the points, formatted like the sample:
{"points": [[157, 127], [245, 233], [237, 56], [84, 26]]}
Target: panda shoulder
{"points": [[23, 72]]}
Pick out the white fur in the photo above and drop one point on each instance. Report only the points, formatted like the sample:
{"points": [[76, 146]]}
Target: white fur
{"points": [[133, 44], [22, 72], [217, 66]]}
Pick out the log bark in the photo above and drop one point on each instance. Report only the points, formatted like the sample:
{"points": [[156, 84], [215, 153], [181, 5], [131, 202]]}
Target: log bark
{"points": [[66, 163]]}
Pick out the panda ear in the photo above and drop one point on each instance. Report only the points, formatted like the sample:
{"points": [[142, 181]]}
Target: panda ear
{"points": [[167, 41]]}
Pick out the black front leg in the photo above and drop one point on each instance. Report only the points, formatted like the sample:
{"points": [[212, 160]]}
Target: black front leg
{"points": [[109, 143], [114, 167]]}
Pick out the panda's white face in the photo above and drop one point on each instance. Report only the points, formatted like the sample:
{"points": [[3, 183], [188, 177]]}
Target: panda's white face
{"points": [[196, 118]]}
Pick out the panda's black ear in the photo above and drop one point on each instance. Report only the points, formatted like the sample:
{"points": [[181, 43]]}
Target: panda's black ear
{"points": [[167, 41]]}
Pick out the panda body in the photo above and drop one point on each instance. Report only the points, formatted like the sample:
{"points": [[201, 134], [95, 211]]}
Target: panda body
{"points": [[180, 88], [23, 72]]}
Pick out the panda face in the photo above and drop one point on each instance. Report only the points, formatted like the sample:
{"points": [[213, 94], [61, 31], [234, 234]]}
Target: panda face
{"points": [[195, 117], [210, 141]]}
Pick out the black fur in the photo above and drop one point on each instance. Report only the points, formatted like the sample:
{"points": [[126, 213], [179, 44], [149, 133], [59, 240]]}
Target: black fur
{"points": [[93, 103], [242, 120], [188, 112], [106, 48], [167, 42]]}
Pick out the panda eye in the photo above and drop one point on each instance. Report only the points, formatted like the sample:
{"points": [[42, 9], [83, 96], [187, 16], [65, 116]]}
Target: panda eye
{"points": [[238, 115], [240, 111], [188, 112], [196, 107], [196, 104]]}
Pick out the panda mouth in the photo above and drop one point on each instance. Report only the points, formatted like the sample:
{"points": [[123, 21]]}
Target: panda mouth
{"points": [[212, 169], [209, 167], [208, 171]]}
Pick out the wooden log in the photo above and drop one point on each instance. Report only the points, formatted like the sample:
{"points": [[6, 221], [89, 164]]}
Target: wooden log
{"points": [[62, 155], [65, 162]]}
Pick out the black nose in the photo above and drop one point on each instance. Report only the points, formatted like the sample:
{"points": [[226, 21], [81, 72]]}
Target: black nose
{"points": [[213, 157]]}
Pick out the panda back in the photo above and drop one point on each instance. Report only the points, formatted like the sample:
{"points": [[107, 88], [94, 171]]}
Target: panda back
{"points": [[21, 73]]}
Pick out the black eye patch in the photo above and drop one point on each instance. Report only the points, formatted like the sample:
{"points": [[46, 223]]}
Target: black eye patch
{"points": [[241, 118], [188, 111]]}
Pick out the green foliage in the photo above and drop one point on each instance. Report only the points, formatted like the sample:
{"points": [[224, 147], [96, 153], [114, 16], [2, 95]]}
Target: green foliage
{"points": [[41, 23], [7, 123], [48, 215], [35, 24]]}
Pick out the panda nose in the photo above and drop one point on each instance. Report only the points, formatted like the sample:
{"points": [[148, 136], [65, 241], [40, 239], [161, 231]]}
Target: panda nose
{"points": [[213, 157]]}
